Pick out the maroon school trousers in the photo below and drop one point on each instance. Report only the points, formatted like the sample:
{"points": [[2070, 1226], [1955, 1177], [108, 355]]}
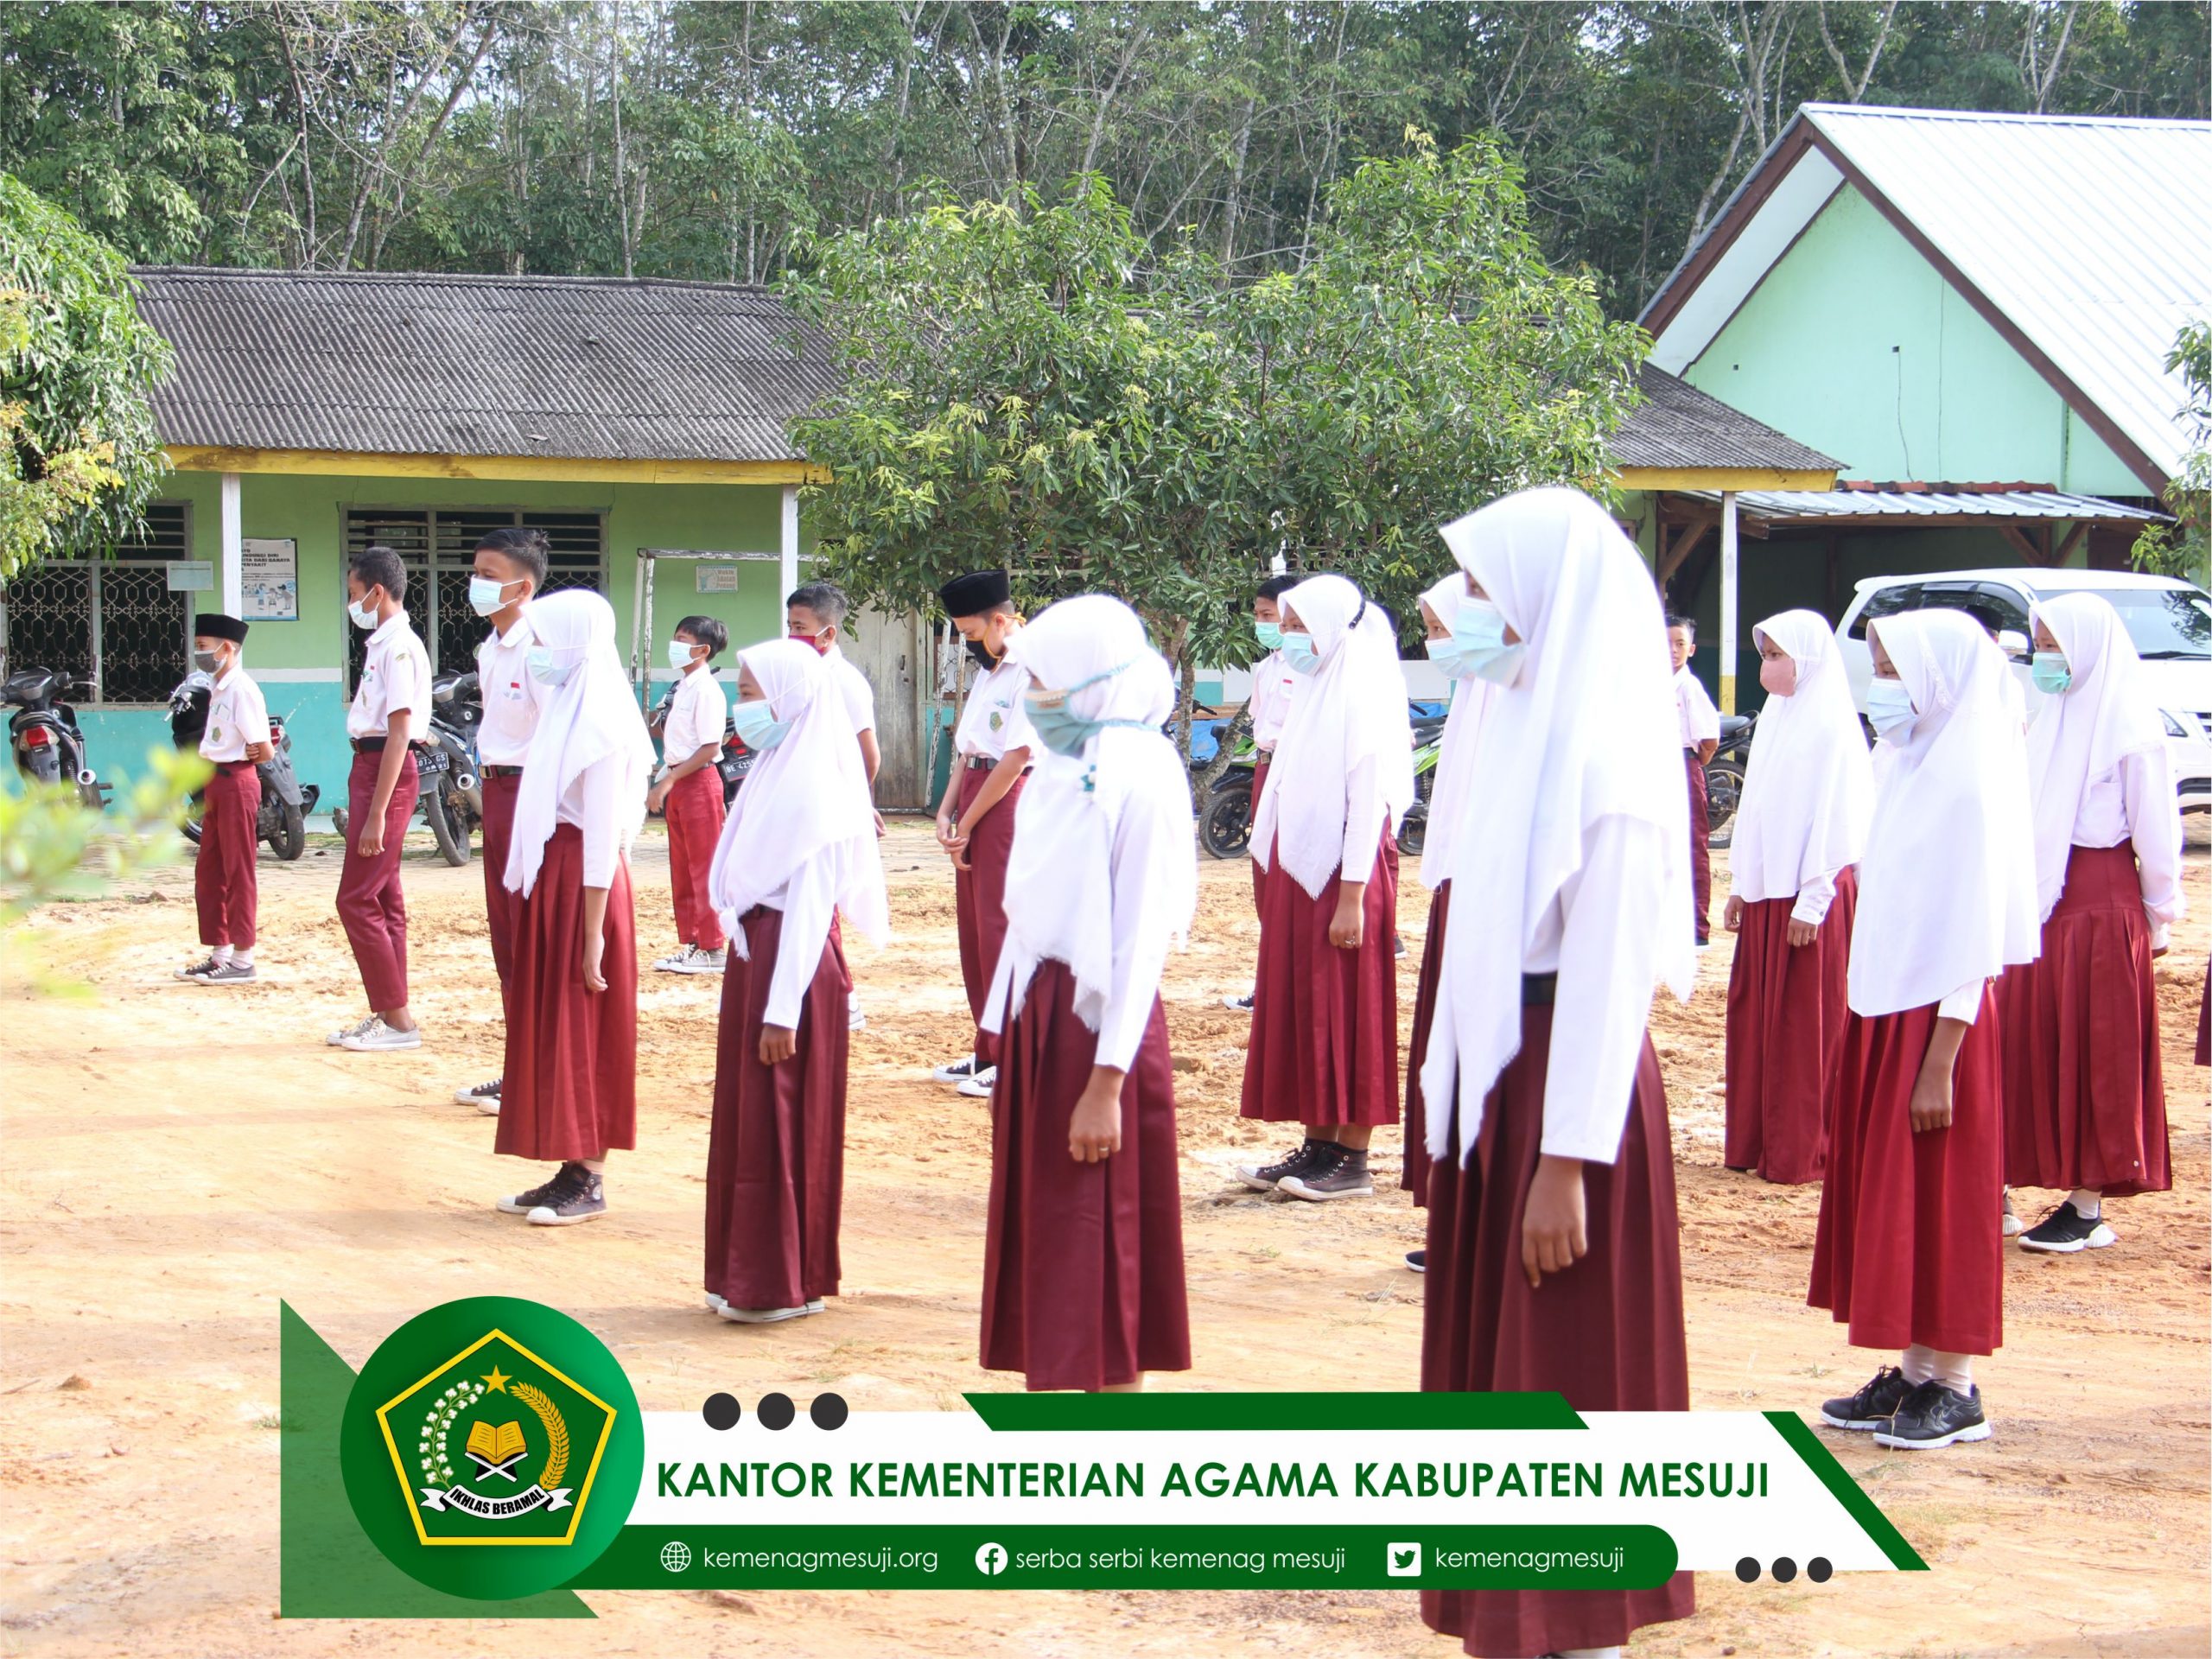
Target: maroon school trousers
{"points": [[223, 881], [499, 792], [1701, 854], [979, 895], [370, 902], [694, 810]]}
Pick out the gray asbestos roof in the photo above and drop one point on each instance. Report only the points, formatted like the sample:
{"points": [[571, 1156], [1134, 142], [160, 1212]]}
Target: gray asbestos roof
{"points": [[391, 364], [1679, 427]]}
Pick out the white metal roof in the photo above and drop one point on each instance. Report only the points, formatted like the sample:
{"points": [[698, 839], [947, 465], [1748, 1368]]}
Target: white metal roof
{"points": [[1934, 502], [2092, 235]]}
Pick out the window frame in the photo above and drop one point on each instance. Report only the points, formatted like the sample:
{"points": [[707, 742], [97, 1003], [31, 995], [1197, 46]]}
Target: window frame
{"points": [[95, 605]]}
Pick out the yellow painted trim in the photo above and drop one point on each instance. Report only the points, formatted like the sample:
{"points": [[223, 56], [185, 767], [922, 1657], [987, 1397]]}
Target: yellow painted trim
{"points": [[194, 458], [1720, 477]]}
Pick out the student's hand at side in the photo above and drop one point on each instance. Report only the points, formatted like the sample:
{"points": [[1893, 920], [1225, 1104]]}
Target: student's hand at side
{"points": [[1554, 1229], [1095, 1128], [657, 797], [962, 837], [777, 1044], [1732, 915], [595, 955], [1803, 932], [1348, 926], [261, 753], [1931, 1099], [371, 843], [881, 826]]}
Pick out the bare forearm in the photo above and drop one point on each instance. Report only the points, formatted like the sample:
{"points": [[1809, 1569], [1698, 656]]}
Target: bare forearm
{"points": [[1002, 779], [395, 757]]}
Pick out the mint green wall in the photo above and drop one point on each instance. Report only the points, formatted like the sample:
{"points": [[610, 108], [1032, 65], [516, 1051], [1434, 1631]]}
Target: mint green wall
{"points": [[1854, 344]]}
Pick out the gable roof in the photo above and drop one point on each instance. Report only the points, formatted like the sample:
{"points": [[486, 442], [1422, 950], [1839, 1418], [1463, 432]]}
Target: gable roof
{"points": [[1678, 428], [387, 363], [2081, 240]]}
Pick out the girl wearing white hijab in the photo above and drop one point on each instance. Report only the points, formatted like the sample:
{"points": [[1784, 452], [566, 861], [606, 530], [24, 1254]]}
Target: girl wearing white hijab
{"points": [[2085, 1100], [1447, 805], [797, 851], [1323, 1050], [1082, 1264], [1808, 796], [571, 1081], [1908, 1252], [1553, 1255]]}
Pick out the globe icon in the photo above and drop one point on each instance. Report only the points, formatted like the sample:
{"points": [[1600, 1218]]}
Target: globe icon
{"points": [[675, 1556]]}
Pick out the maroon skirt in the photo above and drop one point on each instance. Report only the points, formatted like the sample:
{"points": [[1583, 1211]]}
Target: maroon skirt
{"points": [[1786, 1017], [1259, 875], [1908, 1248], [979, 895], [776, 1152], [569, 1086], [1082, 1264], [1607, 1333], [2204, 1021], [2085, 1092], [1413, 1166], [1325, 1021]]}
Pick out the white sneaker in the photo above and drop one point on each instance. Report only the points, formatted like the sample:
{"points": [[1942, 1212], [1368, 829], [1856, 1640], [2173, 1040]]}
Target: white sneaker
{"points": [[374, 1036], [692, 959], [1237, 1004], [338, 1039], [959, 1070], [767, 1315], [485, 1097], [979, 1086], [855, 1017]]}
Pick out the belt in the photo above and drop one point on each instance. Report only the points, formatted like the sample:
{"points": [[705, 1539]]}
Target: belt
{"points": [[499, 772], [368, 746], [233, 765], [1538, 990], [979, 763]]}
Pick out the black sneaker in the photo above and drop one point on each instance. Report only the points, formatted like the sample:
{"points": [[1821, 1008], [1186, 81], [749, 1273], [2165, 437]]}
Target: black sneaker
{"points": [[1934, 1416], [1339, 1172], [485, 1096], [2066, 1230], [1417, 1260], [1264, 1176], [578, 1194], [1872, 1406], [1397, 944], [200, 970], [522, 1203]]}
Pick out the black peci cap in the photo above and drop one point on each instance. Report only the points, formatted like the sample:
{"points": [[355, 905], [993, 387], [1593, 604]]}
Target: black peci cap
{"points": [[975, 593], [213, 624]]}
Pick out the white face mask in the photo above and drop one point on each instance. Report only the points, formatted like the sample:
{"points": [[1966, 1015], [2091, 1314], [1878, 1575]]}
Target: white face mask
{"points": [[679, 654], [1889, 709], [362, 615]]}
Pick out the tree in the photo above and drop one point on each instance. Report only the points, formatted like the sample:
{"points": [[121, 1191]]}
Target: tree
{"points": [[79, 456], [2184, 548]]}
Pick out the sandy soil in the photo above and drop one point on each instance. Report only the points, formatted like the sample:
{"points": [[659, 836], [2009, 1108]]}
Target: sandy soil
{"points": [[179, 1159]]}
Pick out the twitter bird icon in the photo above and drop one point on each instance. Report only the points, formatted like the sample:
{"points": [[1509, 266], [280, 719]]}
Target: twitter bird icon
{"points": [[1402, 1561]]}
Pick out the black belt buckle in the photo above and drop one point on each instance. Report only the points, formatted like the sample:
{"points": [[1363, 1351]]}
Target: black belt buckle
{"points": [[1538, 990]]}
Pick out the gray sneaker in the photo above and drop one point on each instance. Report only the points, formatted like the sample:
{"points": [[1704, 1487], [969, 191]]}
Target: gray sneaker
{"points": [[485, 1096], [224, 973], [1265, 1176], [337, 1039], [522, 1203], [206, 966], [376, 1037], [693, 959], [578, 1194], [1337, 1172], [767, 1315]]}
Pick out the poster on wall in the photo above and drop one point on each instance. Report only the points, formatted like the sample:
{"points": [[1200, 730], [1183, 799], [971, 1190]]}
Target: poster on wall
{"points": [[269, 574]]}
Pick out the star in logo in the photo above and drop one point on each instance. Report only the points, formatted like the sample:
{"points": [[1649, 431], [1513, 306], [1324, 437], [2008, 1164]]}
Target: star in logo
{"points": [[496, 1381]]}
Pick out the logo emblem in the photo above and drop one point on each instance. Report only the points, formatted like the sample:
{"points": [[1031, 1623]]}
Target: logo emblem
{"points": [[991, 1559], [1402, 1561]]}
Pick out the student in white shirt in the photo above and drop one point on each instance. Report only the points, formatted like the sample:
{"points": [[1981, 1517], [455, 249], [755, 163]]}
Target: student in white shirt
{"points": [[235, 741], [975, 821], [1700, 731], [391, 709], [1273, 682], [689, 791], [511, 568], [815, 613], [2085, 1096]]}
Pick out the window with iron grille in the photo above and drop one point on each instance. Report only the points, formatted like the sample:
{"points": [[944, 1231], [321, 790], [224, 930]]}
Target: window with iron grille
{"points": [[438, 550], [112, 621]]}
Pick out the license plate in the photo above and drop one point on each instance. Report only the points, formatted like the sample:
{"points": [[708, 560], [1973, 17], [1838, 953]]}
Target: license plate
{"points": [[430, 761]]}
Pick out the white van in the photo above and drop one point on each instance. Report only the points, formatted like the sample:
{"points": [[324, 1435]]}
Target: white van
{"points": [[2169, 620]]}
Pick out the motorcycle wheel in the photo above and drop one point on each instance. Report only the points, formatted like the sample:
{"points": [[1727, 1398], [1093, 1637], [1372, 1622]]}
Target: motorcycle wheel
{"points": [[452, 842], [1413, 831], [289, 839], [1225, 826], [1724, 791], [190, 826]]}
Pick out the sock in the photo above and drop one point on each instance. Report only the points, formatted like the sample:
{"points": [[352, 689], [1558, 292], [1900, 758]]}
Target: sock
{"points": [[222, 955], [596, 1166], [241, 957], [1953, 1371], [2088, 1204], [1918, 1364]]}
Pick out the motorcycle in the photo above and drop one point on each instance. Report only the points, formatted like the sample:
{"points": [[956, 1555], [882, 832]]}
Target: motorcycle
{"points": [[1428, 747], [285, 802], [48, 744], [730, 764], [1724, 777], [453, 790]]}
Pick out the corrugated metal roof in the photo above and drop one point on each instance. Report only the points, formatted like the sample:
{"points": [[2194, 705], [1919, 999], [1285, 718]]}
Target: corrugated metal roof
{"points": [[578, 368], [1677, 426], [1925, 501]]}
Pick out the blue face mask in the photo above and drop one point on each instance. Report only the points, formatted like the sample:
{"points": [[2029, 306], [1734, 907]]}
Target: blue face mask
{"points": [[1059, 728], [485, 595], [679, 655], [1450, 660], [1269, 634], [1479, 635], [543, 668], [1298, 650], [757, 725], [1889, 708], [2051, 673]]}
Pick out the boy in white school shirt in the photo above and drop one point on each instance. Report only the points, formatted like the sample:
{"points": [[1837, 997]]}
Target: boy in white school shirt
{"points": [[688, 792], [1700, 727], [816, 614], [235, 741]]}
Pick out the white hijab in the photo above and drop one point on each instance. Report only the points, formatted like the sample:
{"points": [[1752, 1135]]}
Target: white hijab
{"points": [[1348, 729], [1809, 792], [805, 799], [2102, 717], [1586, 731], [1448, 794], [589, 716], [1946, 890], [1061, 903]]}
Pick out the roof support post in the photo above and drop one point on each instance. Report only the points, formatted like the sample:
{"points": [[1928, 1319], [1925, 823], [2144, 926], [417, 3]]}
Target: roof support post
{"points": [[233, 582], [1728, 601], [787, 569]]}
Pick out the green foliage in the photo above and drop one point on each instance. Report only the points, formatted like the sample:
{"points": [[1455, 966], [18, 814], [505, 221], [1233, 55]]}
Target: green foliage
{"points": [[78, 452], [54, 846], [2184, 547]]}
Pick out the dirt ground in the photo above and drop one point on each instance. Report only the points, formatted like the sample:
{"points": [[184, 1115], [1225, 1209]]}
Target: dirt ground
{"points": [[178, 1158]]}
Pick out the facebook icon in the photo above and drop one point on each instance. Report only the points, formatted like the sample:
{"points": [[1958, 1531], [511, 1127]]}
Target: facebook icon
{"points": [[990, 1560]]}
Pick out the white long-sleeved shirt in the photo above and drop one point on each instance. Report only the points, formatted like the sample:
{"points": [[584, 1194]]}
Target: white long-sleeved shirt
{"points": [[1603, 1000], [1963, 1004], [1273, 682], [593, 803], [512, 696], [1365, 813], [1140, 953], [2135, 802], [1700, 720], [238, 714], [809, 901], [697, 714]]}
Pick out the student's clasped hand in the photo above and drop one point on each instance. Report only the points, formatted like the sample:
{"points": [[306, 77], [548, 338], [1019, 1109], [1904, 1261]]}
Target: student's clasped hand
{"points": [[1095, 1127], [1554, 1230], [777, 1044]]}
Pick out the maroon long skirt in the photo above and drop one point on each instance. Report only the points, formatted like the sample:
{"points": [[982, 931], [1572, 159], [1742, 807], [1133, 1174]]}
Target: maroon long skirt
{"points": [[1082, 1264], [1908, 1248], [499, 793], [979, 896], [569, 1086], [1259, 875], [1607, 1333], [1325, 1021], [1413, 1166], [1786, 1017], [225, 884], [776, 1153], [2204, 1021], [2085, 1092]]}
